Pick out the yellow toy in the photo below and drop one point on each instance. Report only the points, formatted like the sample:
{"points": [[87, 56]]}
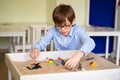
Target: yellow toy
{"points": [[51, 61], [93, 64]]}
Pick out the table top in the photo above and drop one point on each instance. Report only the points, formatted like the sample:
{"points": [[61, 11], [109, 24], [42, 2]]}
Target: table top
{"points": [[8, 30], [102, 31], [103, 73], [98, 28], [11, 28]]}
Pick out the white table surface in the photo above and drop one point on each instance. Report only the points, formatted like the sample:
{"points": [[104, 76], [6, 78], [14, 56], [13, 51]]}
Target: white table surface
{"points": [[9, 30], [105, 74], [107, 32]]}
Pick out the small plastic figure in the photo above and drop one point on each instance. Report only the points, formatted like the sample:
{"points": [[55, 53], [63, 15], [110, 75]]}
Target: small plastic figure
{"points": [[62, 62], [79, 66], [36, 66], [47, 59], [57, 62], [51, 61], [91, 58], [59, 58], [93, 64]]}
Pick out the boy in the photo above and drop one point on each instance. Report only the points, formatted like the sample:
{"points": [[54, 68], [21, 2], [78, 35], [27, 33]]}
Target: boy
{"points": [[66, 35]]}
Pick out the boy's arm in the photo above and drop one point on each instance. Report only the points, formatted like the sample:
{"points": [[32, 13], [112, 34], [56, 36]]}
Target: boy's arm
{"points": [[41, 44], [88, 43], [44, 41]]}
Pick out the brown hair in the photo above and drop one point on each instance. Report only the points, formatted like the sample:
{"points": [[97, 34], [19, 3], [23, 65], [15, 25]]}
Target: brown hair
{"points": [[63, 12]]}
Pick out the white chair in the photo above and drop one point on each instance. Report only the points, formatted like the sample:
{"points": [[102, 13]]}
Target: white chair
{"points": [[34, 32], [37, 32], [16, 42]]}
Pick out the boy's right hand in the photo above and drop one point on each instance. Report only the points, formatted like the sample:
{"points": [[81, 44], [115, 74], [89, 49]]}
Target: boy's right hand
{"points": [[35, 53]]}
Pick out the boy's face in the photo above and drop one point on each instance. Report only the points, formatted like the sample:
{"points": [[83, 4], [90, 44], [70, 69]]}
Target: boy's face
{"points": [[64, 29]]}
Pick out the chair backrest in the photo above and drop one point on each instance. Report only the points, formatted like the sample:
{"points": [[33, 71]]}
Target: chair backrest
{"points": [[37, 31], [27, 29]]}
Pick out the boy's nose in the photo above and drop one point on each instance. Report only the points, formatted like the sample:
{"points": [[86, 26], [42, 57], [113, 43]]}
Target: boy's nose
{"points": [[62, 28]]}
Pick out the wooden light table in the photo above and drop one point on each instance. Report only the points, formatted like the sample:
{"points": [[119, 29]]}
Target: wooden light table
{"points": [[104, 70], [107, 32]]}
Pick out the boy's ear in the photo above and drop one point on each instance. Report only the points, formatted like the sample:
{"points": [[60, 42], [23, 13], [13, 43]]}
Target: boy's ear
{"points": [[73, 21]]}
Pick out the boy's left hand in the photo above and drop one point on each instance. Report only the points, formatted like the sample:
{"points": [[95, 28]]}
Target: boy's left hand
{"points": [[74, 60]]}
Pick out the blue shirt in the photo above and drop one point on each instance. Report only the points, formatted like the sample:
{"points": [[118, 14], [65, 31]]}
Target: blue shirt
{"points": [[76, 40]]}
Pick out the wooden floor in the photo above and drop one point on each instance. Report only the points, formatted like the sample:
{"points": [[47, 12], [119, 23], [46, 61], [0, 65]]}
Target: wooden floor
{"points": [[4, 70], [3, 67]]}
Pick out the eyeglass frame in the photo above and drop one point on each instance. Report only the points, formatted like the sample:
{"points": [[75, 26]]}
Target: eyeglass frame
{"points": [[65, 27]]}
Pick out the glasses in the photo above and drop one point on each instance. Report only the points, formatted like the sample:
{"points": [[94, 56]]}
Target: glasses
{"points": [[65, 27]]}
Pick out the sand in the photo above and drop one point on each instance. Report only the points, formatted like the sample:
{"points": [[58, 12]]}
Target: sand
{"points": [[47, 68]]}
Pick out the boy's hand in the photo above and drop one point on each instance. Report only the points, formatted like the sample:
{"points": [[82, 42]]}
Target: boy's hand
{"points": [[35, 53], [74, 60]]}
